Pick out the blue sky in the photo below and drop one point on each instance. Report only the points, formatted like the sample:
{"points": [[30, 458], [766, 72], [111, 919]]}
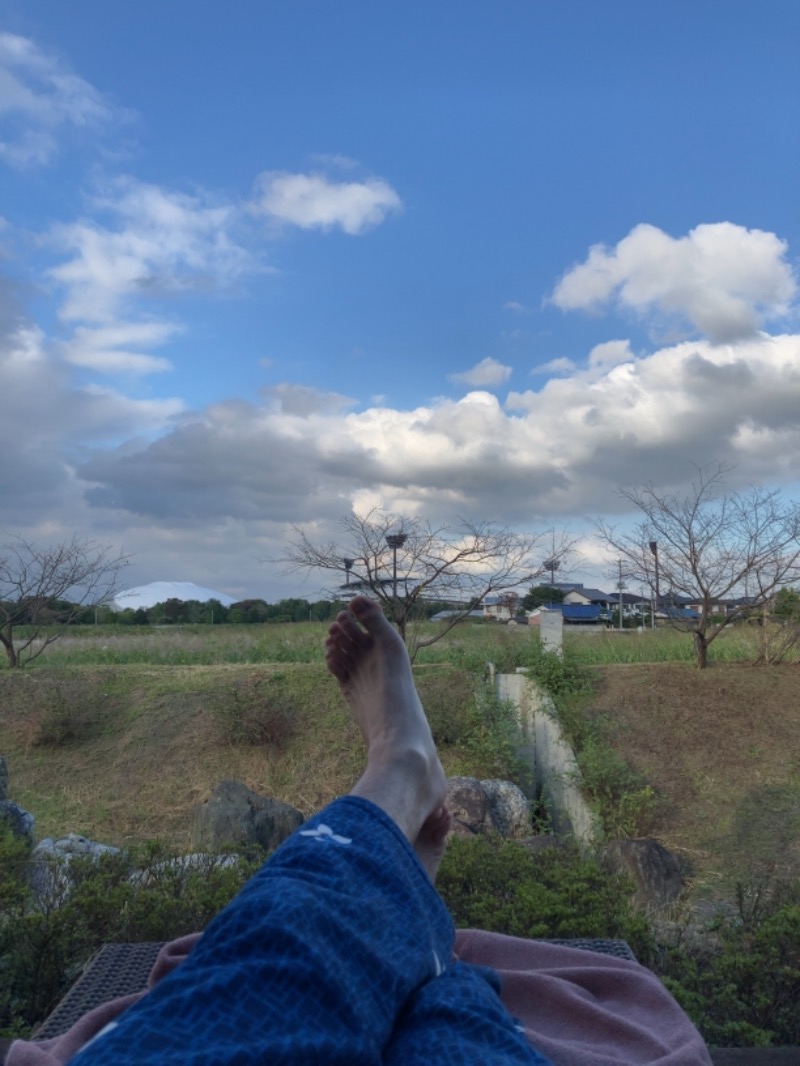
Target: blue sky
{"points": [[264, 263]]}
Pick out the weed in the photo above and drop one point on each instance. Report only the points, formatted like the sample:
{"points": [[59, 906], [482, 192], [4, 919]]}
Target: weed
{"points": [[68, 714], [257, 710]]}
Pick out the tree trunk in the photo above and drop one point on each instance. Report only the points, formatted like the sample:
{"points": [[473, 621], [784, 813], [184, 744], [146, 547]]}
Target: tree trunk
{"points": [[8, 643], [701, 649]]}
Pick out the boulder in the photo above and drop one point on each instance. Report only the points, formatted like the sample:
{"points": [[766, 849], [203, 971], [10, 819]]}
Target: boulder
{"points": [[490, 806], [509, 808], [51, 860], [21, 822], [468, 803], [234, 816], [656, 872]]}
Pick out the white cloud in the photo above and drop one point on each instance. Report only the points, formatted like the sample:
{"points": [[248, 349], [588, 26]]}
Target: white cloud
{"points": [[312, 201], [107, 348], [724, 279], [40, 97], [562, 365], [488, 372], [516, 307], [610, 353], [158, 242]]}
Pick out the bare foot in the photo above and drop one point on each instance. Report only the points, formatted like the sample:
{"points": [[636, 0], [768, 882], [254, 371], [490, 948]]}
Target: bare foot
{"points": [[432, 840], [367, 657]]}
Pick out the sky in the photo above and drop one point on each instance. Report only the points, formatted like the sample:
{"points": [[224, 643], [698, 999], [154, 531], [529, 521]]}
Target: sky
{"points": [[263, 264]]}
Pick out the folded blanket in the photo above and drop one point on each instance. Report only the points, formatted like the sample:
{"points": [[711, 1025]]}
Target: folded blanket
{"points": [[578, 1008]]}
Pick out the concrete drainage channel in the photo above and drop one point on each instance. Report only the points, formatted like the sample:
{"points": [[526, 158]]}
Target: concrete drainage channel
{"points": [[556, 776]]}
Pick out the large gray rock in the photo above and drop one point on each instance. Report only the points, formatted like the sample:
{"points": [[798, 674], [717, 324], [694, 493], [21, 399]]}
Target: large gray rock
{"points": [[468, 803], [234, 815], [51, 860], [509, 807], [21, 822], [656, 872], [3, 778], [487, 807]]}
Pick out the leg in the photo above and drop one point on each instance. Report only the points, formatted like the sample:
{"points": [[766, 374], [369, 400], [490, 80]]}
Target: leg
{"points": [[316, 957]]}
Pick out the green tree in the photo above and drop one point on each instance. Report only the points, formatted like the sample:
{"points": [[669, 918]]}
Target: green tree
{"points": [[540, 595]]}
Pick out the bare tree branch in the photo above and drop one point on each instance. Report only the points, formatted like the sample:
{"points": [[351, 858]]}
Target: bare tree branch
{"points": [[710, 547], [46, 589], [459, 566]]}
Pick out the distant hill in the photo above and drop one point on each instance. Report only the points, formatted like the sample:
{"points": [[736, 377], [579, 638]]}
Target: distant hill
{"points": [[147, 596]]}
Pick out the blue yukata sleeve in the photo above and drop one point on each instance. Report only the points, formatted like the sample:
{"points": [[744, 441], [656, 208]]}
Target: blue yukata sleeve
{"points": [[311, 963]]}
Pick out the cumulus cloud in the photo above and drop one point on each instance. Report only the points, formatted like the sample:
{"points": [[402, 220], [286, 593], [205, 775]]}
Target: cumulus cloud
{"points": [[488, 372], [560, 450], [313, 201], [39, 98], [724, 279]]}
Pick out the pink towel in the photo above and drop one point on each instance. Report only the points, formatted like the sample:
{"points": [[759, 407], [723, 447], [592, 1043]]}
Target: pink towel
{"points": [[578, 1008]]}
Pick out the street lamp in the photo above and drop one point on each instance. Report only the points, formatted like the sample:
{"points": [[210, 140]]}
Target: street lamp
{"points": [[348, 566], [395, 541], [552, 565]]}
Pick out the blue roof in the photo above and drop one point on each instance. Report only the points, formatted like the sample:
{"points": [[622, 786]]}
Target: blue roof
{"points": [[580, 612]]}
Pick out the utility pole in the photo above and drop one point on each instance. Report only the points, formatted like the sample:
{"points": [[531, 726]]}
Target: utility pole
{"points": [[620, 586]]}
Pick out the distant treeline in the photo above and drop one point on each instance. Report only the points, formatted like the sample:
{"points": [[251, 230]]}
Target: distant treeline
{"points": [[212, 612], [209, 612]]}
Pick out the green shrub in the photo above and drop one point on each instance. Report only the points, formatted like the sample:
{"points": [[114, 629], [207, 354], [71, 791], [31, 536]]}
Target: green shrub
{"points": [[499, 885], [144, 894], [746, 991]]}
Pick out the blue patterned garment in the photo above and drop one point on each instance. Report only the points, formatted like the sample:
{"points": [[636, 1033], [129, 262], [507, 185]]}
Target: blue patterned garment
{"points": [[339, 950]]}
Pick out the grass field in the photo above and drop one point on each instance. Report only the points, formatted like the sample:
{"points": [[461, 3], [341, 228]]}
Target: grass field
{"points": [[118, 732]]}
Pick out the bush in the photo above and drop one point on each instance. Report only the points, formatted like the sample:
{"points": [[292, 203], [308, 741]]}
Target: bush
{"points": [[499, 885], [144, 894], [746, 991], [68, 714], [259, 710]]}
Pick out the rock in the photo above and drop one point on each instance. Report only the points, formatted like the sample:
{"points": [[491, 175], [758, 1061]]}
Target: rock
{"points": [[51, 860], [3, 778], [510, 810], [490, 806], [468, 803], [656, 872], [234, 815], [197, 861], [21, 822]]}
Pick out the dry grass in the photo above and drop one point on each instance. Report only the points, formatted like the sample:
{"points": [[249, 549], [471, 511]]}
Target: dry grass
{"points": [[722, 748], [154, 743]]}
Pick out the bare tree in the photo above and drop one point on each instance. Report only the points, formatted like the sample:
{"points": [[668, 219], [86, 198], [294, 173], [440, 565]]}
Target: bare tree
{"points": [[710, 548], [406, 563], [46, 589]]}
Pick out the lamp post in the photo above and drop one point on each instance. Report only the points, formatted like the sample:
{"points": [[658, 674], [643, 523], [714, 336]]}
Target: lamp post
{"points": [[395, 541], [654, 549], [552, 565], [348, 566]]}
